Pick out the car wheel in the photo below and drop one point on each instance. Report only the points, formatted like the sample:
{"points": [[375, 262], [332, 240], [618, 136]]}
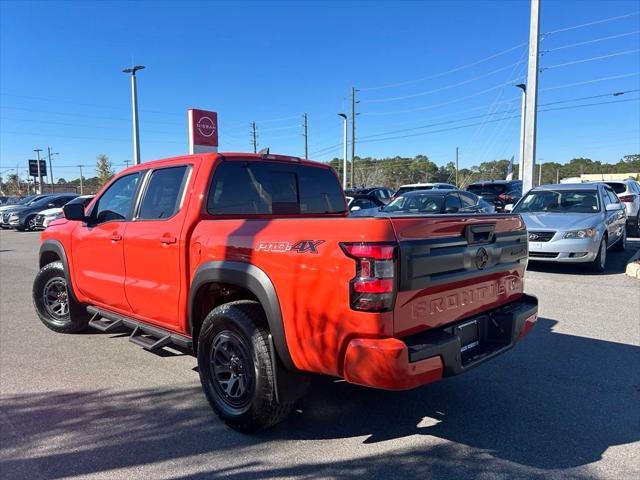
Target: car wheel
{"points": [[600, 262], [621, 244], [56, 308], [236, 368], [30, 224]]}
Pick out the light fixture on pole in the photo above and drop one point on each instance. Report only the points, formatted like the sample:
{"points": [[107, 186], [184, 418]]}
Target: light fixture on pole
{"points": [[134, 108], [523, 111], [344, 150]]}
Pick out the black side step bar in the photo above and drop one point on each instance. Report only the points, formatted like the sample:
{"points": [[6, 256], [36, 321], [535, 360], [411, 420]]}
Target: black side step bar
{"points": [[147, 336], [147, 340], [104, 324]]}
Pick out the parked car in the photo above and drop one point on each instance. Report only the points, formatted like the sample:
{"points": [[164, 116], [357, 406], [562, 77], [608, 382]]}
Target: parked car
{"points": [[430, 202], [23, 217], [573, 223], [5, 210], [423, 186], [252, 261], [628, 192], [44, 218], [359, 202], [498, 192]]}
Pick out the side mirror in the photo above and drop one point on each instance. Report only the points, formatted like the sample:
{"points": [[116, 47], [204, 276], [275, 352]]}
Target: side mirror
{"points": [[614, 207], [451, 210], [74, 211], [508, 207]]}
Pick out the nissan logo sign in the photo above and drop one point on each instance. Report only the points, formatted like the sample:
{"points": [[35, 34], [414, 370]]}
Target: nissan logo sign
{"points": [[206, 127]]}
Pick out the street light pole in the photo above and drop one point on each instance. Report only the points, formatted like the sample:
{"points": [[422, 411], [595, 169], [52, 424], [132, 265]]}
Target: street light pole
{"points": [[523, 112], [81, 184], [38, 150], [344, 150], [134, 108], [529, 160]]}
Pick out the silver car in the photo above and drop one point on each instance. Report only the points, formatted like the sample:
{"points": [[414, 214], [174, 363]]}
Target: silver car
{"points": [[574, 223]]}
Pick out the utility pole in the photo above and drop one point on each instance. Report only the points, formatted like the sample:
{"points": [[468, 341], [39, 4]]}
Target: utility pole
{"points": [[557, 175], [126, 162], [254, 137], [540, 173], [306, 137], [531, 104], [344, 150], [50, 167], [134, 109], [457, 184], [38, 150], [353, 135], [523, 112], [81, 184]]}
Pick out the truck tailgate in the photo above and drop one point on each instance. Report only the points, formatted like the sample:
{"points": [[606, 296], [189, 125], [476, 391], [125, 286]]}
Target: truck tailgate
{"points": [[452, 267]]}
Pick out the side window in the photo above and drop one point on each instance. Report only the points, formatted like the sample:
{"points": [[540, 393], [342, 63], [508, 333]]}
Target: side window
{"points": [[468, 199], [59, 202], [116, 202], [606, 200], [452, 201], [163, 194], [612, 196]]}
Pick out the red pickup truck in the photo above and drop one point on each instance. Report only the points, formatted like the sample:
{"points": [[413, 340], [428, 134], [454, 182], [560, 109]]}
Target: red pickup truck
{"points": [[252, 262]]}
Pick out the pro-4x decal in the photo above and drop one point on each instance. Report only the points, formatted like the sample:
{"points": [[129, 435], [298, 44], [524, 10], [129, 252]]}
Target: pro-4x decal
{"points": [[302, 246]]}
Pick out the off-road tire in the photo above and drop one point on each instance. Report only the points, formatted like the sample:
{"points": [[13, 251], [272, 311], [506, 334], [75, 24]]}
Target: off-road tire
{"points": [[242, 322], [76, 318]]}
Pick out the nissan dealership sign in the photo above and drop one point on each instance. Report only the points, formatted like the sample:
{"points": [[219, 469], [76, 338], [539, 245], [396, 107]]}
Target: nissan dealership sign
{"points": [[203, 131]]}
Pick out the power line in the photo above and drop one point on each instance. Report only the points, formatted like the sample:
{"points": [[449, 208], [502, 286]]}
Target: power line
{"points": [[43, 99], [453, 70], [498, 120], [602, 79], [584, 60], [102, 127], [596, 40], [464, 82], [596, 22], [459, 99]]}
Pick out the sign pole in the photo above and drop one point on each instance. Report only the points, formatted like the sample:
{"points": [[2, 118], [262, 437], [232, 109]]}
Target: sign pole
{"points": [[38, 150]]}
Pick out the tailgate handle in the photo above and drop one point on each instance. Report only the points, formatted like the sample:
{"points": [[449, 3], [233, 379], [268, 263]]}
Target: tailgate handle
{"points": [[480, 233]]}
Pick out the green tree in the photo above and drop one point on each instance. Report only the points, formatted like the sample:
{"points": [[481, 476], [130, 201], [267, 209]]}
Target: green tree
{"points": [[104, 169]]}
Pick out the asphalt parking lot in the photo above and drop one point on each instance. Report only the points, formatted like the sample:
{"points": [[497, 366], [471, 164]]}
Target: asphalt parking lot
{"points": [[565, 403]]}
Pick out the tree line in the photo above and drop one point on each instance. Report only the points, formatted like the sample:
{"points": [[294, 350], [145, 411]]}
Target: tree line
{"points": [[395, 171]]}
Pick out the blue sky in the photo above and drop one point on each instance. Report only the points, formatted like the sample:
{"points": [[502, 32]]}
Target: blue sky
{"points": [[61, 83]]}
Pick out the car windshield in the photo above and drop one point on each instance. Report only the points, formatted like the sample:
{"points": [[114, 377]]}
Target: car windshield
{"points": [[415, 203], [559, 201]]}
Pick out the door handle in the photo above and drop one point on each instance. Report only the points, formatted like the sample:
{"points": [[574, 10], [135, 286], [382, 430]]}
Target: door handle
{"points": [[166, 239], [116, 237]]}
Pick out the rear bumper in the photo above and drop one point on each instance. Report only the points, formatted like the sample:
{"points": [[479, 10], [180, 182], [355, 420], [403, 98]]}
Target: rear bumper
{"points": [[401, 364]]}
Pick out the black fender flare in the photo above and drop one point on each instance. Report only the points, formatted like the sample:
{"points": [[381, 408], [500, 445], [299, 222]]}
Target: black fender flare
{"points": [[255, 280], [56, 247]]}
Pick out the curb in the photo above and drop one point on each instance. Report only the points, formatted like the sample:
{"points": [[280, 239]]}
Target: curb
{"points": [[633, 266]]}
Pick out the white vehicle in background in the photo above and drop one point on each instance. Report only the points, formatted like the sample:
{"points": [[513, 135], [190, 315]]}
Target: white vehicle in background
{"points": [[45, 217], [628, 192]]}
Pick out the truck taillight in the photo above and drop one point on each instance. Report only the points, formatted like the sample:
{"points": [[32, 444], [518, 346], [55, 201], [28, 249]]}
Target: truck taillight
{"points": [[372, 288]]}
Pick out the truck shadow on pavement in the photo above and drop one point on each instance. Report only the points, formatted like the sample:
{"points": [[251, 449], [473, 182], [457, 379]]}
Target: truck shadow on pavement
{"points": [[556, 401]]}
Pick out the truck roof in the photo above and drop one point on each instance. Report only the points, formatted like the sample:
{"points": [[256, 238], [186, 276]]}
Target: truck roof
{"points": [[256, 157]]}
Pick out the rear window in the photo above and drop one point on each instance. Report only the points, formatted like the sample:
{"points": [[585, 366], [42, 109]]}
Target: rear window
{"points": [[271, 188], [402, 190], [617, 187], [487, 188]]}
